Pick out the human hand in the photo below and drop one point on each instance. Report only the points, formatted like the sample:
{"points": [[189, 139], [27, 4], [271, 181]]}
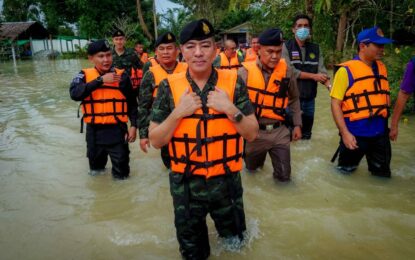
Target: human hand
{"points": [[189, 103], [349, 140], [219, 100], [393, 133], [131, 135], [320, 77], [296, 134], [144, 144], [111, 77]]}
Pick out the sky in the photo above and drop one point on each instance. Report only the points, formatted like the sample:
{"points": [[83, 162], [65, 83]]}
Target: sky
{"points": [[163, 5]]}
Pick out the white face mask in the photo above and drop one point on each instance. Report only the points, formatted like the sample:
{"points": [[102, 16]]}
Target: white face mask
{"points": [[302, 33]]}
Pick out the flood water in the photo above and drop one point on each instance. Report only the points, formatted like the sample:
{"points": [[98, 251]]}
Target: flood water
{"points": [[50, 208]]}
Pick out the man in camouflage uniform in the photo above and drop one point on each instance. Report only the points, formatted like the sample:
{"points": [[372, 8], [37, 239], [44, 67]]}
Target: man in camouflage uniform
{"points": [[168, 51], [126, 58], [195, 193]]}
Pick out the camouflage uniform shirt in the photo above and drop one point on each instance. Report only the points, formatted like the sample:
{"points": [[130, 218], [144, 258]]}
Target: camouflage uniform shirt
{"points": [[127, 60], [145, 101]]}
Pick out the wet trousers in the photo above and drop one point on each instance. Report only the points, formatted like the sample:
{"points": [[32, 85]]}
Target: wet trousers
{"points": [[307, 117], [205, 196], [119, 154], [275, 142], [378, 155]]}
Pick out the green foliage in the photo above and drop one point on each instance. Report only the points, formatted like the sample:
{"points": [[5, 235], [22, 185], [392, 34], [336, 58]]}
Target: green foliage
{"points": [[396, 60], [235, 17], [174, 20]]}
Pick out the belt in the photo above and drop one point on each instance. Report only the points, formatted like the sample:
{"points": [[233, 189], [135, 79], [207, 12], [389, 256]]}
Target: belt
{"points": [[269, 127]]}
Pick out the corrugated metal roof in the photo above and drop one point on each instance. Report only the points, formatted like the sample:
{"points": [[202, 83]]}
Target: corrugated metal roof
{"points": [[22, 30]]}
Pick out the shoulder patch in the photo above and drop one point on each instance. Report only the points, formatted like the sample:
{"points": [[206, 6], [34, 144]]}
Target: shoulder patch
{"points": [[78, 78]]}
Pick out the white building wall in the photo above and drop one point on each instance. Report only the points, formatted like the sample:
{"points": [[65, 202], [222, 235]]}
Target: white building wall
{"points": [[61, 46]]}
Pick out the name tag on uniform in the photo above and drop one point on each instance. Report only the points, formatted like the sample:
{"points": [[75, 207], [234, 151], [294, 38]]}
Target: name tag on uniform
{"points": [[295, 55]]}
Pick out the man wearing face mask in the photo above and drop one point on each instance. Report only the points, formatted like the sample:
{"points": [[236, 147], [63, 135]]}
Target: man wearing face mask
{"points": [[308, 66]]}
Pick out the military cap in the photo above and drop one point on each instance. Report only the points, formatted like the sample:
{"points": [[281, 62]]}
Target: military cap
{"points": [[98, 46], [117, 32], [197, 30], [167, 37], [374, 35], [271, 37]]}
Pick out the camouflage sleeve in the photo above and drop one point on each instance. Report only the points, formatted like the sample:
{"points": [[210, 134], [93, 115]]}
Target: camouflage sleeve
{"points": [[145, 100], [241, 98], [127, 89], [146, 66], [163, 104], [241, 58], [216, 62]]}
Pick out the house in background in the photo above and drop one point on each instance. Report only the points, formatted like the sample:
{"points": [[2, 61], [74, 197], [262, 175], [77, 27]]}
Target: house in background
{"points": [[25, 39], [241, 34]]}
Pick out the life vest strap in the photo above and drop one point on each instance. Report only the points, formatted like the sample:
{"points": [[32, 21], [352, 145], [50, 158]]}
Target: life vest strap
{"points": [[230, 66], [123, 113], [206, 164], [378, 77], [205, 140], [354, 95], [94, 101], [378, 107], [206, 116]]}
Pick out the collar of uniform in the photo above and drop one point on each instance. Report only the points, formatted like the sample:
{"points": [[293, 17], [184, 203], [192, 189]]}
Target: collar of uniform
{"points": [[210, 84], [261, 66], [112, 69], [171, 70]]}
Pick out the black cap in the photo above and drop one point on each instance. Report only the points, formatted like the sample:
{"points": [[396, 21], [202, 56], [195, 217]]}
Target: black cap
{"points": [[117, 32], [271, 37], [98, 46], [167, 37], [197, 30]]}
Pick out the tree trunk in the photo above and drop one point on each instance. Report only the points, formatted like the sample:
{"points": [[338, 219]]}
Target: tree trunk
{"points": [[142, 23], [341, 31], [309, 8]]}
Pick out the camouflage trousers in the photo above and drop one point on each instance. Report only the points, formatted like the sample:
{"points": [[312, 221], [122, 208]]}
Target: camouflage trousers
{"points": [[220, 196]]}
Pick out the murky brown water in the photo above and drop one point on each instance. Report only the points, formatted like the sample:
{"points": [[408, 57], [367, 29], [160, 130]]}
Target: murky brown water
{"points": [[51, 209]]}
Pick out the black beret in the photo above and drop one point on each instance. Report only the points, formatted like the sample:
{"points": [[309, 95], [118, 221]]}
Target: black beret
{"points": [[271, 37], [197, 30], [98, 46], [117, 32], [167, 37]]}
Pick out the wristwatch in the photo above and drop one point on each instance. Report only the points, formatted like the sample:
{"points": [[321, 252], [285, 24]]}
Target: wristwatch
{"points": [[100, 79], [238, 117]]}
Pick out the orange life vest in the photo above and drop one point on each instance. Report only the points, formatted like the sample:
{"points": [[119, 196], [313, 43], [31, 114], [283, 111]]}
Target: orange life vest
{"points": [[369, 94], [226, 64], [160, 74], [106, 104], [250, 55], [271, 100], [205, 143], [136, 77], [153, 61], [144, 57]]}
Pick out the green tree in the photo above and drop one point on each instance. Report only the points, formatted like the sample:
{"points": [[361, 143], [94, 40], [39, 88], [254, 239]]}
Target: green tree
{"points": [[174, 20]]}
